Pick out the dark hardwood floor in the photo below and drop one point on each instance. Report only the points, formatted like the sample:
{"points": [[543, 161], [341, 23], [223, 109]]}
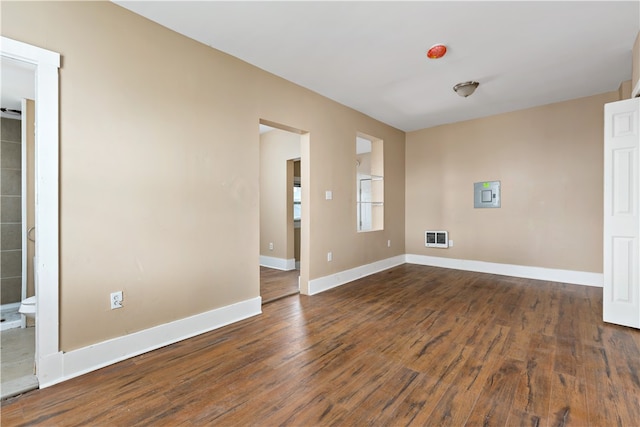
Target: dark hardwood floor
{"points": [[412, 345], [276, 284]]}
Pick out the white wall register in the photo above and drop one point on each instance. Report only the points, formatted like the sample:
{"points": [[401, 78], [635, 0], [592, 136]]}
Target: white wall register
{"points": [[436, 239]]}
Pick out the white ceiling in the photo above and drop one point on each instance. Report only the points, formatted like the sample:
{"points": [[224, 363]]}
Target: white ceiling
{"points": [[370, 55]]}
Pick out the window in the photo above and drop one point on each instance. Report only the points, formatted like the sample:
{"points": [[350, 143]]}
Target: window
{"points": [[297, 201], [369, 183]]}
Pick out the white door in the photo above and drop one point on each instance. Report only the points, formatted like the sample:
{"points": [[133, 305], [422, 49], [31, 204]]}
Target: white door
{"points": [[621, 296]]}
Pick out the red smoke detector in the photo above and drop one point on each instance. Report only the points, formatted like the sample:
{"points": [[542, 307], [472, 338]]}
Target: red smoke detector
{"points": [[436, 51]]}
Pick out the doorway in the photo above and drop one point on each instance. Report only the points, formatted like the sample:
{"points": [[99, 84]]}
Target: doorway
{"points": [[17, 217], [281, 207], [44, 82]]}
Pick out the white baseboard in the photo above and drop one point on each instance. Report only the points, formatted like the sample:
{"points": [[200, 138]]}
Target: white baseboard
{"points": [[538, 273], [78, 362], [93, 357], [278, 263], [327, 282]]}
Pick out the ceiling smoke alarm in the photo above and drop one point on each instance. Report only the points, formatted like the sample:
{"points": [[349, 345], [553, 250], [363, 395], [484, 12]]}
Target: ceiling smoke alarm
{"points": [[436, 51]]}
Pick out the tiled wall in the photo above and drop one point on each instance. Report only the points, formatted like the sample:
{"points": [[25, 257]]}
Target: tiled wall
{"points": [[10, 212]]}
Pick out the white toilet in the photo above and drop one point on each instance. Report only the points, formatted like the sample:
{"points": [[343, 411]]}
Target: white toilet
{"points": [[28, 307]]}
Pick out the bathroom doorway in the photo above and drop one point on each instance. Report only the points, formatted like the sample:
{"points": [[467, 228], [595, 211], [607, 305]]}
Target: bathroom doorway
{"points": [[281, 210], [17, 218], [44, 82]]}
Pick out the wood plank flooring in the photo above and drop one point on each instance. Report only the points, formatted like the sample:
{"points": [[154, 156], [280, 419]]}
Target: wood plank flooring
{"points": [[412, 345], [276, 284]]}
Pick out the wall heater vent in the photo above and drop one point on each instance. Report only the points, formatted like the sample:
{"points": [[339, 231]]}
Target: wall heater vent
{"points": [[436, 239]]}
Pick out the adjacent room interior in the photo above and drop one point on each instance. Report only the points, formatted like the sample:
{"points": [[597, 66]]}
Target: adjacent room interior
{"points": [[280, 212]]}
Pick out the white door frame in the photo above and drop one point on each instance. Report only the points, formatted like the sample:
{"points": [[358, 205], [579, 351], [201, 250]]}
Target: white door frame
{"points": [[48, 354]]}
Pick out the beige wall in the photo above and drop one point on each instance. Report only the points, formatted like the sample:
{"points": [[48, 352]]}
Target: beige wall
{"points": [[549, 161], [30, 116], [277, 149], [152, 128], [635, 64], [624, 90]]}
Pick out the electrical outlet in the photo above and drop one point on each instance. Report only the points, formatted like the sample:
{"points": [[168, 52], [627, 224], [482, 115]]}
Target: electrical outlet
{"points": [[271, 246], [388, 243], [450, 243], [116, 300], [329, 256]]}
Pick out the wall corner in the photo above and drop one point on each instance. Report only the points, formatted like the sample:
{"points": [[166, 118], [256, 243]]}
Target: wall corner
{"points": [[624, 90], [635, 67]]}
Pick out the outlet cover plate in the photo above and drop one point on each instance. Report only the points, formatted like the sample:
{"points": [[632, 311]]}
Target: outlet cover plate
{"points": [[116, 300]]}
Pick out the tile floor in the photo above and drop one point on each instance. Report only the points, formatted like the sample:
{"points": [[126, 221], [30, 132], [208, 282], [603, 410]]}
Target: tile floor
{"points": [[17, 351]]}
